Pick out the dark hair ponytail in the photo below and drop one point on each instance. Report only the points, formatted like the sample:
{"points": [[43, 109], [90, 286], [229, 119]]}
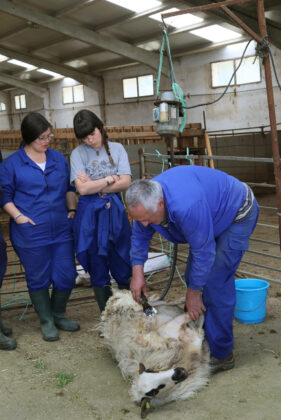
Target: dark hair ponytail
{"points": [[85, 122]]}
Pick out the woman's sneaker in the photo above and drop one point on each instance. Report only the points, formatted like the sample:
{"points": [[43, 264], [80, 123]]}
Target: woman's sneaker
{"points": [[219, 365]]}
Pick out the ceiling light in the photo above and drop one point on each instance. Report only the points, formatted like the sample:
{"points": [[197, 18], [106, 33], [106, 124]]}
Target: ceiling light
{"points": [[77, 63], [3, 58], [216, 33], [137, 5], [150, 46], [22, 64], [50, 73], [180, 21]]}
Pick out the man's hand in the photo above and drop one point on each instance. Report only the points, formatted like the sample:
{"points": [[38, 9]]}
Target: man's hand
{"points": [[138, 284], [194, 304]]}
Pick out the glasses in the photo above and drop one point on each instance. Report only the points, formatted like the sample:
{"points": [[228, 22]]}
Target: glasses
{"points": [[46, 138]]}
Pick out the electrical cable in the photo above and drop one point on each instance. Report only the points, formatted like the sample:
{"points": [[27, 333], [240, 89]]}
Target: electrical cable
{"points": [[225, 90]]}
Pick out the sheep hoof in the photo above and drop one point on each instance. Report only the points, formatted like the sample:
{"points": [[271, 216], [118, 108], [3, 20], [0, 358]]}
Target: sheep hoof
{"points": [[145, 407]]}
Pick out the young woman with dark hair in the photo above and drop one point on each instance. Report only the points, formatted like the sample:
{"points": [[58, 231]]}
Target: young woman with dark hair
{"points": [[100, 170], [41, 203]]}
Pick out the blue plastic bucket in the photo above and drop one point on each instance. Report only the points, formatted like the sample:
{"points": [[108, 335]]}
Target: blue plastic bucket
{"points": [[251, 296]]}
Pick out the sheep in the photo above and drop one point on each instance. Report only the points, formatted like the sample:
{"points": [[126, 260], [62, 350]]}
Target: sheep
{"points": [[164, 357]]}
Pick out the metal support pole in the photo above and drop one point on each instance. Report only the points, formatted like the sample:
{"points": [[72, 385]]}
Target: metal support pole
{"points": [[141, 163], [272, 115]]}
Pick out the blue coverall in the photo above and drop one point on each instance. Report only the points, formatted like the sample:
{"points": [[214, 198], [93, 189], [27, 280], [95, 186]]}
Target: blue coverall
{"points": [[3, 252], [102, 235], [201, 205], [46, 250]]}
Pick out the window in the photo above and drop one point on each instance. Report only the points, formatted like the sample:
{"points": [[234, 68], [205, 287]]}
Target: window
{"points": [[138, 86], [72, 94], [248, 72], [20, 101], [2, 106]]}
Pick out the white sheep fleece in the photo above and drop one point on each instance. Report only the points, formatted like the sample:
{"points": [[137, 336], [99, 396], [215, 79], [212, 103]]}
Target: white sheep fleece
{"points": [[161, 342]]}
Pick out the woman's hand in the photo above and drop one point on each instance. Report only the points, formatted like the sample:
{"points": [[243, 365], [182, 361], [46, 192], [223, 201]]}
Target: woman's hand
{"points": [[71, 214], [83, 177], [110, 179], [23, 219]]}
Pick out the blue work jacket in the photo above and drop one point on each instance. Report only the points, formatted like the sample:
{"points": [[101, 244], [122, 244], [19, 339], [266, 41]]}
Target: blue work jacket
{"points": [[38, 195], [200, 203], [101, 220]]}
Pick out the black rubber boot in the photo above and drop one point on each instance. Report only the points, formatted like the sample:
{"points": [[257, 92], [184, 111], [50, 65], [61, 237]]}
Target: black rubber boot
{"points": [[5, 342], [102, 295], [58, 302], [42, 305]]}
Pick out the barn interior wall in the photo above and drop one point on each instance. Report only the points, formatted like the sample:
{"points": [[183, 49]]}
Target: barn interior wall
{"points": [[4, 115], [243, 106]]}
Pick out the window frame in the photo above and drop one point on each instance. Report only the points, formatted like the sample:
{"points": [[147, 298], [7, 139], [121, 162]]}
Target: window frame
{"points": [[20, 101], [234, 67], [72, 90], [137, 85]]}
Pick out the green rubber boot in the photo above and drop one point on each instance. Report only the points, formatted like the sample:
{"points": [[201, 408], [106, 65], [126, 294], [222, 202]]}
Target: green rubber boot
{"points": [[102, 295], [42, 305], [5, 330], [59, 301], [5, 342]]}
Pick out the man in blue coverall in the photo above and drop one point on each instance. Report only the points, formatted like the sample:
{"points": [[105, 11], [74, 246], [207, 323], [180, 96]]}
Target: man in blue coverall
{"points": [[215, 214]]}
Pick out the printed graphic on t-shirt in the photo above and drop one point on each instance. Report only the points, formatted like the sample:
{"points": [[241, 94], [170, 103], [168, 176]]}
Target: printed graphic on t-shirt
{"points": [[100, 169]]}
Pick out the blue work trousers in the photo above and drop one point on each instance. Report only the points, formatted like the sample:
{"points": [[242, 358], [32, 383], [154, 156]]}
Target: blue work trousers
{"points": [[49, 265], [3, 257], [219, 294], [99, 267]]}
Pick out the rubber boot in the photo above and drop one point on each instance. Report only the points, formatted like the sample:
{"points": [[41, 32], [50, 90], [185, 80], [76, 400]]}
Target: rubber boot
{"points": [[5, 342], [102, 295], [58, 302], [5, 330], [42, 305]]}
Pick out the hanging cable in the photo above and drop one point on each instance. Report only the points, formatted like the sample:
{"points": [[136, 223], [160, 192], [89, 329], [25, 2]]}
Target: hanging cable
{"points": [[225, 90]]}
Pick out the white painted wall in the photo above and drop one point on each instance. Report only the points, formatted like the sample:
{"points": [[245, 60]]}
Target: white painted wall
{"points": [[4, 115], [242, 106], [52, 107], [33, 104], [62, 115]]}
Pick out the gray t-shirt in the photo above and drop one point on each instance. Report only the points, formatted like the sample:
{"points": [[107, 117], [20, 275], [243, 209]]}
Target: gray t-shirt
{"points": [[95, 163]]}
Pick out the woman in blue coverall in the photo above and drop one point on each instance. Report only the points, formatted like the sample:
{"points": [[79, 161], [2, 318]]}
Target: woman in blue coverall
{"points": [[6, 343], [41, 203], [100, 170]]}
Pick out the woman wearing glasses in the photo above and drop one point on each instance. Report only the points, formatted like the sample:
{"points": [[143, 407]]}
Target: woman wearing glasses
{"points": [[100, 170], [41, 203]]}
